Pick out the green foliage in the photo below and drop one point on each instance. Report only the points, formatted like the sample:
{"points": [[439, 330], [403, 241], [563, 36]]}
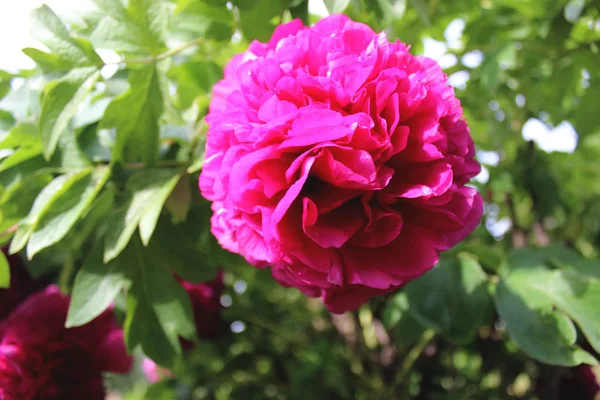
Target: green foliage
{"points": [[452, 299], [99, 163], [4, 272]]}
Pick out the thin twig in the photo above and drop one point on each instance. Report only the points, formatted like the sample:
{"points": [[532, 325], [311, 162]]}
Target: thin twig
{"points": [[412, 356], [159, 57]]}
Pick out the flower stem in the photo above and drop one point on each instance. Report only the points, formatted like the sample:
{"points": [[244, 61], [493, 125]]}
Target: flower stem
{"points": [[413, 355]]}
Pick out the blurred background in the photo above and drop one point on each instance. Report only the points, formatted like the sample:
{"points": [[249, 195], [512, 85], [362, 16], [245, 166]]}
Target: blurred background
{"points": [[528, 75]]}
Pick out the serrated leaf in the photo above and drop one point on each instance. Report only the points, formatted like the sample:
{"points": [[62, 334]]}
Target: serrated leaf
{"points": [[148, 191], [135, 115], [140, 28], [52, 32], [60, 102], [68, 207], [452, 299], [543, 333], [95, 288], [159, 310], [43, 202], [4, 272], [49, 63]]}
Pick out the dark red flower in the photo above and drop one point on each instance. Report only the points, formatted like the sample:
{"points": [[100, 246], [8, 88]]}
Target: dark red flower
{"points": [[581, 383], [21, 285], [41, 359], [206, 302]]}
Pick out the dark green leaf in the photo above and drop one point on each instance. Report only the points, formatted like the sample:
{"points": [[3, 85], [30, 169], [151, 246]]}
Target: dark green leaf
{"points": [[42, 204], [95, 288], [134, 115], [179, 202], [185, 249], [452, 299], [255, 22], [159, 310], [4, 272], [66, 210], [397, 316], [140, 28], [51, 31], [60, 102], [540, 331], [148, 191], [578, 296]]}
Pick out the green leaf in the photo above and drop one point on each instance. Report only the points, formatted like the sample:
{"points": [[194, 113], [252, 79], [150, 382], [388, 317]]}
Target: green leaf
{"points": [[68, 155], [49, 63], [4, 272], [301, 11], [578, 296], [21, 156], [60, 102], [67, 208], [543, 333], [51, 31], [7, 121], [24, 134], [179, 202], [589, 268], [336, 6], [140, 28], [43, 202], [452, 299], [92, 221], [95, 288], [16, 201], [255, 21], [524, 259], [560, 255], [148, 191], [194, 78], [397, 316], [135, 115], [159, 310], [184, 248]]}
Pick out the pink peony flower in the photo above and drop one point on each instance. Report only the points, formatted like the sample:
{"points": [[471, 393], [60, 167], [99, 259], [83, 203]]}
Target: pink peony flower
{"points": [[41, 359], [340, 160]]}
